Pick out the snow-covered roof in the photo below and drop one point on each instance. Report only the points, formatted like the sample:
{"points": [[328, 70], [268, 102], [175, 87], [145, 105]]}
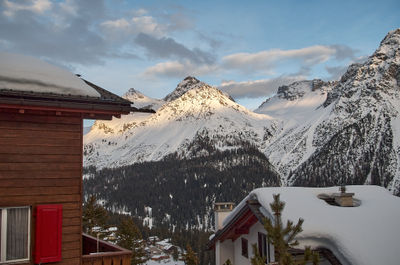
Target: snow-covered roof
{"points": [[366, 234], [25, 73]]}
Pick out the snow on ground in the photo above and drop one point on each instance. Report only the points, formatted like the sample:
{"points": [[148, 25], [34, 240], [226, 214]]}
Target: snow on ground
{"points": [[25, 73], [367, 234]]}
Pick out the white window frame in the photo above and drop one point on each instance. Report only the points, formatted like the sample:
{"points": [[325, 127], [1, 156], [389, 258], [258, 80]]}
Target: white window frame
{"points": [[3, 250]]}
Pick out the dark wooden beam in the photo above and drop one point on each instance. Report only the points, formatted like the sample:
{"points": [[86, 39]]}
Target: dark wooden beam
{"points": [[242, 230]]}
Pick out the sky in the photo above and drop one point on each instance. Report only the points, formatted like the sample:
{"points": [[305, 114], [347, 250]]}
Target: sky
{"points": [[245, 48]]}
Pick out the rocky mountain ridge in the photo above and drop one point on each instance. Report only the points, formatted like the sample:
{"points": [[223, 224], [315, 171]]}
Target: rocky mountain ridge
{"points": [[184, 86], [357, 142]]}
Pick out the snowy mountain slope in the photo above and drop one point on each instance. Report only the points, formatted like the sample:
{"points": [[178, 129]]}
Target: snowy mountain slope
{"points": [[355, 138], [296, 108], [296, 102], [201, 111]]}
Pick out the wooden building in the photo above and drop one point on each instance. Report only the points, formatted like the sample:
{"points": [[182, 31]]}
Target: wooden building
{"points": [[42, 109]]}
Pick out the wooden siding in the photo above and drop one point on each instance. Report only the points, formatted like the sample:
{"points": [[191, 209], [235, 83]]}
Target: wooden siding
{"points": [[41, 163]]}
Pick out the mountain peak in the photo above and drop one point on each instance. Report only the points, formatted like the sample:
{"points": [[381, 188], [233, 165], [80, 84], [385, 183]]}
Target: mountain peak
{"points": [[389, 47], [391, 39], [184, 86], [191, 79], [141, 101], [133, 94], [379, 74]]}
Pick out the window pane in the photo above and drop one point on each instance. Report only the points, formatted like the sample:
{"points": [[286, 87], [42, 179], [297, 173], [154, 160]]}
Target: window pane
{"points": [[245, 249], [17, 233]]}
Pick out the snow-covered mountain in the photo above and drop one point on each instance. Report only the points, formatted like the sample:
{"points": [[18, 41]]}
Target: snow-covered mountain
{"points": [[315, 133], [202, 112], [297, 107], [343, 132], [357, 139], [141, 101]]}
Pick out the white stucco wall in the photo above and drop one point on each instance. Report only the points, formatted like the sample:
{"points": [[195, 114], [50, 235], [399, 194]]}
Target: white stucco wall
{"points": [[223, 252]]}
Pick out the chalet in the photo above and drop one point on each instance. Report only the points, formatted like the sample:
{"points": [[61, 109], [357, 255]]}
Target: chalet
{"points": [[42, 108], [358, 226]]}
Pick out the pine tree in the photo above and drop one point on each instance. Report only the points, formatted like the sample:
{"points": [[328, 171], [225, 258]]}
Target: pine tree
{"points": [[257, 259], [228, 262], [190, 258], [94, 215], [129, 237], [283, 238]]}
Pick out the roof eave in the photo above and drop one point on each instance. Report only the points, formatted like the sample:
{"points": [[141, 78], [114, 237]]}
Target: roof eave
{"points": [[250, 205], [89, 110]]}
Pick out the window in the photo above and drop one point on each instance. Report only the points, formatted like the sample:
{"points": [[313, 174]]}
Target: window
{"points": [[14, 234], [245, 248], [263, 246]]}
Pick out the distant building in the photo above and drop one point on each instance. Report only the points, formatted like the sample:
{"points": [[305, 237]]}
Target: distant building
{"points": [[160, 257], [358, 226]]}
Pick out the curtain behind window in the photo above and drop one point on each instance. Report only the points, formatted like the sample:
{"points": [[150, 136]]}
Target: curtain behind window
{"points": [[17, 233]]}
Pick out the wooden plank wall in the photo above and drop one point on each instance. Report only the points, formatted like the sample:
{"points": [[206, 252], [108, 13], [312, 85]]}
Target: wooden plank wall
{"points": [[41, 163]]}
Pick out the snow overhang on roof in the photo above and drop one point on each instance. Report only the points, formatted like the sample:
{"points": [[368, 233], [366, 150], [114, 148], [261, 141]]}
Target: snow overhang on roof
{"points": [[366, 234], [27, 82]]}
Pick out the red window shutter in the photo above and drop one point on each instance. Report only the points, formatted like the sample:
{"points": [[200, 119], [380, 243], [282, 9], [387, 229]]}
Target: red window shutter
{"points": [[48, 233]]}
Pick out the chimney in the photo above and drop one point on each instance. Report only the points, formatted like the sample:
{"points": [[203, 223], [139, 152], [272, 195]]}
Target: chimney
{"points": [[221, 211], [344, 199]]}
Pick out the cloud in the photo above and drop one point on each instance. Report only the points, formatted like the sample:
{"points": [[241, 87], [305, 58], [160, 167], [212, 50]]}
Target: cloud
{"points": [[177, 69], [178, 22], [85, 33], [67, 34], [257, 88], [267, 60], [336, 72], [343, 52], [140, 21], [167, 48], [139, 12], [211, 41], [69, 7], [168, 69], [137, 24], [37, 6]]}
